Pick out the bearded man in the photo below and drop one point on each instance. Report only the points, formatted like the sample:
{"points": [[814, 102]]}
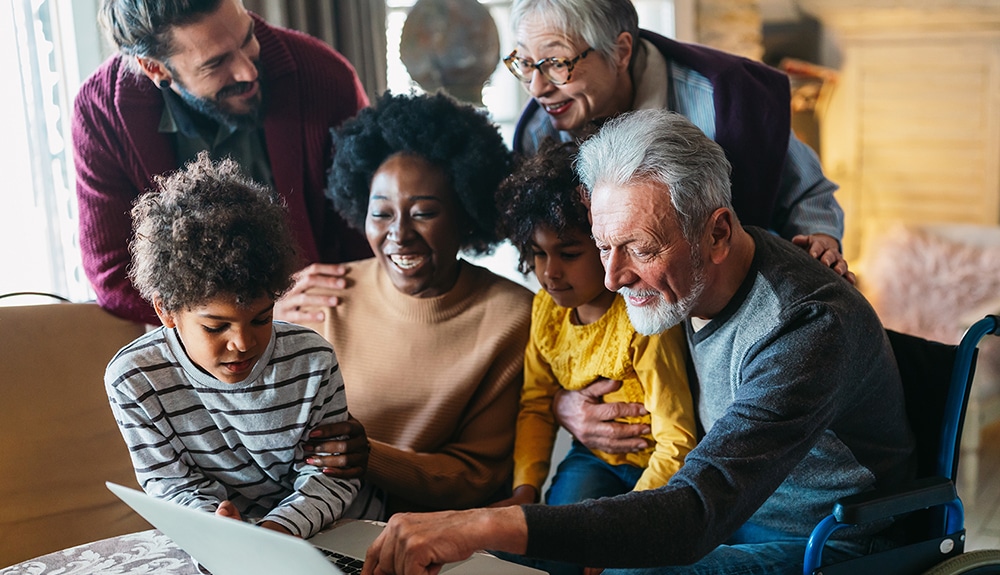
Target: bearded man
{"points": [[208, 75]]}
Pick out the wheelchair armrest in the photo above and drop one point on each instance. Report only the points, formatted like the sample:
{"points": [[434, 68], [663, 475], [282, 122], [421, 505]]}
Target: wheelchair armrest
{"points": [[885, 503]]}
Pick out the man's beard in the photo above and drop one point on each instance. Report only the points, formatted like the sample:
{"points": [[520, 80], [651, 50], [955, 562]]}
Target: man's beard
{"points": [[214, 108], [661, 315]]}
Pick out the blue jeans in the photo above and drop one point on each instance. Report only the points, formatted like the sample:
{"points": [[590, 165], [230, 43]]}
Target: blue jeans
{"points": [[755, 550], [582, 475]]}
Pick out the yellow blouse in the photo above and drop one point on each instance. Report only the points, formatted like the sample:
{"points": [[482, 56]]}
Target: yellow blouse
{"points": [[652, 371]]}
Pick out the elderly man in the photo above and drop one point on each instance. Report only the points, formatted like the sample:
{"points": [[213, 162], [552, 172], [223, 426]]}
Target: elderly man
{"points": [[208, 75], [798, 392]]}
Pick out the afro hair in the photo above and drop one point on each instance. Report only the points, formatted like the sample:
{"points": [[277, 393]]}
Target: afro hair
{"points": [[457, 138], [544, 190], [208, 231]]}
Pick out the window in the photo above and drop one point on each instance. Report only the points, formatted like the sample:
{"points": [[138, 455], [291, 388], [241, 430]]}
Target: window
{"points": [[503, 95], [38, 245]]}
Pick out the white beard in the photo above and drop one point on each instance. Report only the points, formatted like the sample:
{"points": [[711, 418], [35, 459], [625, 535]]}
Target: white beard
{"points": [[661, 315], [657, 317]]}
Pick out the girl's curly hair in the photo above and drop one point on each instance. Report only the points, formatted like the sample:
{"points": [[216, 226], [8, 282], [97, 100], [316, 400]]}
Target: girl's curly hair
{"points": [[208, 231], [542, 191], [455, 137]]}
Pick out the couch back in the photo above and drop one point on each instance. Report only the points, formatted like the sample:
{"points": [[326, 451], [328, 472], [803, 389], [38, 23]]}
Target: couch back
{"points": [[59, 442]]}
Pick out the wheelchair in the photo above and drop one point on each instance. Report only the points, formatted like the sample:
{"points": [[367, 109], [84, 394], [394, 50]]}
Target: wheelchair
{"points": [[936, 379]]}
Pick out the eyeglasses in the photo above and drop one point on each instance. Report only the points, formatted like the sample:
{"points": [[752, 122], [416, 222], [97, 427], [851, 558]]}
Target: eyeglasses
{"points": [[556, 70]]}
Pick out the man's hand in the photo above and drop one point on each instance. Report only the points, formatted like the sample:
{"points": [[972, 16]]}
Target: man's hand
{"points": [[827, 250], [339, 449], [592, 422], [421, 543], [305, 302]]}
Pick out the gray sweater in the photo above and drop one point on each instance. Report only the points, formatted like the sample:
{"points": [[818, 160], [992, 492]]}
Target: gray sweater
{"points": [[800, 400]]}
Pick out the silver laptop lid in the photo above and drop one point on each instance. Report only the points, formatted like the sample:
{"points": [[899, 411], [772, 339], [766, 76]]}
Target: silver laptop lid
{"points": [[229, 547], [226, 546]]}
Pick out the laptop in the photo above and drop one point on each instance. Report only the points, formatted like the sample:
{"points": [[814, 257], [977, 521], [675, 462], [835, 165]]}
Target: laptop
{"points": [[225, 546]]}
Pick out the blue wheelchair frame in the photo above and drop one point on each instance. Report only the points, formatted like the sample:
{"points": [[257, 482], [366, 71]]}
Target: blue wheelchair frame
{"points": [[935, 492]]}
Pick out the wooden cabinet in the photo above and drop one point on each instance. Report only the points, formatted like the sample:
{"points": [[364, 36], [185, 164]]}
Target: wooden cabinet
{"points": [[911, 129]]}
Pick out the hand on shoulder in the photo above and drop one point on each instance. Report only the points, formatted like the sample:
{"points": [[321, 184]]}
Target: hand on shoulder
{"points": [[308, 299], [827, 250]]}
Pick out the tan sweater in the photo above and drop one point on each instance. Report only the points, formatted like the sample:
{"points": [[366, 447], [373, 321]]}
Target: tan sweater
{"points": [[435, 381]]}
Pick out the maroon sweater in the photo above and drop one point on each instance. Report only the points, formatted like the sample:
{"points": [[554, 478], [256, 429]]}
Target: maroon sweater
{"points": [[118, 150]]}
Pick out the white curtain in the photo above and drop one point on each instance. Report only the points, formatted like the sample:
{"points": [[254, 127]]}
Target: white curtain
{"points": [[38, 247]]}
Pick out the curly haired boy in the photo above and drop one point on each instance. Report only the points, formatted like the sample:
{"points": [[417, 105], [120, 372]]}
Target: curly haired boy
{"points": [[216, 404]]}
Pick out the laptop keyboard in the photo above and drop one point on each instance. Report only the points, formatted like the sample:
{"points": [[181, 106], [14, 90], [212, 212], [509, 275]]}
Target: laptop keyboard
{"points": [[349, 565]]}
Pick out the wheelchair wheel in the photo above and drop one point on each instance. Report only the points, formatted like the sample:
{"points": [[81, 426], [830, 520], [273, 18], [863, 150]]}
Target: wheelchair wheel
{"points": [[979, 562]]}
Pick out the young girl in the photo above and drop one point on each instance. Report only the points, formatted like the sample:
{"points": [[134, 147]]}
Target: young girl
{"points": [[580, 332]]}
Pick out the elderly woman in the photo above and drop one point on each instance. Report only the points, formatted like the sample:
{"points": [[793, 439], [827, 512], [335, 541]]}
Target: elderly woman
{"points": [[431, 346], [584, 61]]}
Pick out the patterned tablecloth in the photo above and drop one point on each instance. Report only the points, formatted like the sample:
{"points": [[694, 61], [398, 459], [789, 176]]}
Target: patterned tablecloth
{"points": [[144, 553]]}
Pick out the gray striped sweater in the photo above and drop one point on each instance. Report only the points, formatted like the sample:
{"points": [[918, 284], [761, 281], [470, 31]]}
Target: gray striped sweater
{"points": [[198, 441]]}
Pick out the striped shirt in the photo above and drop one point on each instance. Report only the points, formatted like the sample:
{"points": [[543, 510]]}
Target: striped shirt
{"points": [[198, 441]]}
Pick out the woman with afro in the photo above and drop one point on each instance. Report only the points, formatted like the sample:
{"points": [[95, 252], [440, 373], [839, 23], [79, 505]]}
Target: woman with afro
{"points": [[431, 345]]}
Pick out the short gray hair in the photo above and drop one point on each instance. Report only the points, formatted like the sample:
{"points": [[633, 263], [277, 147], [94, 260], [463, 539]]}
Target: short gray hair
{"points": [[596, 22], [666, 148]]}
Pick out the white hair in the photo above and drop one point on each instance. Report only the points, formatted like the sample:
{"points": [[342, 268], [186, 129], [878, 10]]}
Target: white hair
{"points": [[663, 147]]}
